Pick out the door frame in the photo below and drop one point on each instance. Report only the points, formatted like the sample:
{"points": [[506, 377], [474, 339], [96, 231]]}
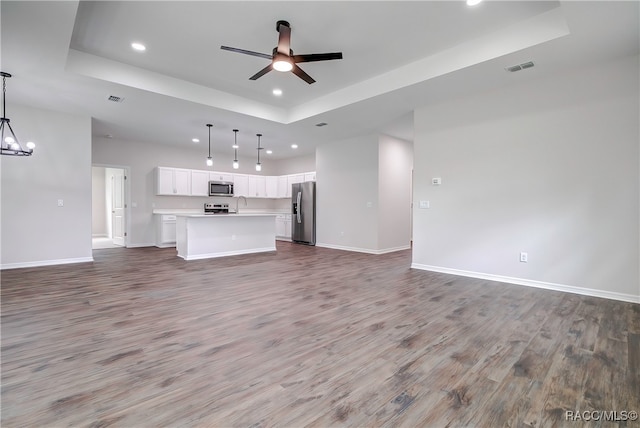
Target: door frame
{"points": [[127, 198]]}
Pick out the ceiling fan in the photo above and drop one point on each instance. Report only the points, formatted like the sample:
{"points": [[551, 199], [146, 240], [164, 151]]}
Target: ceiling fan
{"points": [[282, 58]]}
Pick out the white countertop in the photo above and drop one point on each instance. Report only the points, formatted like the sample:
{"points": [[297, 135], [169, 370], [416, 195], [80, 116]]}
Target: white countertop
{"points": [[196, 211], [227, 215]]}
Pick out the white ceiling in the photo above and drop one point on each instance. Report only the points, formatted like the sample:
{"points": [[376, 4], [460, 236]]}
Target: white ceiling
{"points": [[71, 56]]}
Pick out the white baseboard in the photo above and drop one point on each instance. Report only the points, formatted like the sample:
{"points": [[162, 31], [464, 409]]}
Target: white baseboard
{"points": [[532, 283], [45, 263], [153, 244], [228, 253], [99, 235], [363, 250]]}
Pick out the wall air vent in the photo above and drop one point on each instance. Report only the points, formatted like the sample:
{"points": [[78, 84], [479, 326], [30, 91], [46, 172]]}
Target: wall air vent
{"points": [[115, 98], [519, 67]]}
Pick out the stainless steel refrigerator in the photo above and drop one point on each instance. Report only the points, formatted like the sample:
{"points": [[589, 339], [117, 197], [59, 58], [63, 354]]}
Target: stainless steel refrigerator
{"points": [[303, 210]]}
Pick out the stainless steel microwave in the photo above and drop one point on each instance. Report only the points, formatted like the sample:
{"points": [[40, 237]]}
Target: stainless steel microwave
{"points": [[220, 188]]}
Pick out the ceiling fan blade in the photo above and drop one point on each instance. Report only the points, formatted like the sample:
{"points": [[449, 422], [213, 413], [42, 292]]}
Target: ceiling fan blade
{"points": [[317, 57], [284, 37], [246, 52], [301, 74], [262, 72]]}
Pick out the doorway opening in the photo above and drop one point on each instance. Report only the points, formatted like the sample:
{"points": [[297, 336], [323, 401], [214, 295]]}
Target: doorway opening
{"points": [[108, 207]]}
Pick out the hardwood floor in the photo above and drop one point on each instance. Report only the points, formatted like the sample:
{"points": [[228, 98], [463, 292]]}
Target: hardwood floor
{"points": [[306, 336]]}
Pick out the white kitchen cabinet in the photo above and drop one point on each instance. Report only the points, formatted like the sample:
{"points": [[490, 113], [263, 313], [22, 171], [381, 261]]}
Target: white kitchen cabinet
{"points": [[240, 185], [257, 186], [165, 231], [283, 226], [287, 226], [199, 183], [310, 176], [173, 181], [280, 225], [183, 181], [271, 187], [292, 179], [164, 181], [221, 176], [283, 185]]}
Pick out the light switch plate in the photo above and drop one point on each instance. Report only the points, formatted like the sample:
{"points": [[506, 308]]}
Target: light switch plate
{"points": [[436, 181], [60, 203], [425, 204]]}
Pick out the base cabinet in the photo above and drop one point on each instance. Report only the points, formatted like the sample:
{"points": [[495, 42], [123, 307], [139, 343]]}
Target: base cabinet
{"points": [[165, 230], [283, 226]]}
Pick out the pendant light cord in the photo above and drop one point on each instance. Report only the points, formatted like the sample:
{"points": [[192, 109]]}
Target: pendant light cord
{"points": [[4, 95]]}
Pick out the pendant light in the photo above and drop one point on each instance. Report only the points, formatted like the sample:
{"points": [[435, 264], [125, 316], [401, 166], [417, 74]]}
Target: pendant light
{"points": [[209, 159], [10, 145], [236, 164], [258, 165]]}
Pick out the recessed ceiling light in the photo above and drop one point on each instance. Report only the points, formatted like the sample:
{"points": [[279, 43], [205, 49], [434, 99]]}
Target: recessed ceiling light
{"points": [[294, 146], [195, 140], [138, 46], [473, 2], [269, 152], [277, 92]]}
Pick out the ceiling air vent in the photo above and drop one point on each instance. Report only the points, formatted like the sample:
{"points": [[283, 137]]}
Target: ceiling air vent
{"points": [[115, 98], [321, 124], [519, 67]]}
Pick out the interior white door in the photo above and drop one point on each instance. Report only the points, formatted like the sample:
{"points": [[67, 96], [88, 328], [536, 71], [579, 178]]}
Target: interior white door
{"points": [[117, 206]]}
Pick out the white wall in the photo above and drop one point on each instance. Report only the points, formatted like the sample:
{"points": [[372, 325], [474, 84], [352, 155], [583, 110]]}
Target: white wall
{"points": [[347, 179], [395, 162], [296, 165], [98, 202], [548, 167], [363, 194], [34, 230], [143, 158]]}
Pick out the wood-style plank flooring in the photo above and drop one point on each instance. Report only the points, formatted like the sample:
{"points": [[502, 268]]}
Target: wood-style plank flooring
{"points": [[306, 336]]}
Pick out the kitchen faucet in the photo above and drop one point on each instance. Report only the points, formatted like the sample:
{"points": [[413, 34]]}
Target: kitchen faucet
{"points": [[238, 200]]}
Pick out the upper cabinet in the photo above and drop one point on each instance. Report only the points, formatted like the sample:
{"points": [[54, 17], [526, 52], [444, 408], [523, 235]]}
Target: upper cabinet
{"points": [[199, 183], [257, 186], [221, 176], [173, 181], [241, 185], [188, 182], [271, 186]]}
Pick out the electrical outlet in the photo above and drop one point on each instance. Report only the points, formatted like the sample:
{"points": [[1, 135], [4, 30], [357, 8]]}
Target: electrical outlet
{"points": [[524, 257], [60, 203], [233, 237]]}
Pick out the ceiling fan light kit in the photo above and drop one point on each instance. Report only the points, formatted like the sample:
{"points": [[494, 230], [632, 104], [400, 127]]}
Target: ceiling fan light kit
{"points": [[282, 58]]}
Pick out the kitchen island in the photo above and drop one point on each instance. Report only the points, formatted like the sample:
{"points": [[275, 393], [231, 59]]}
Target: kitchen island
{"points": [[203, 236]]}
